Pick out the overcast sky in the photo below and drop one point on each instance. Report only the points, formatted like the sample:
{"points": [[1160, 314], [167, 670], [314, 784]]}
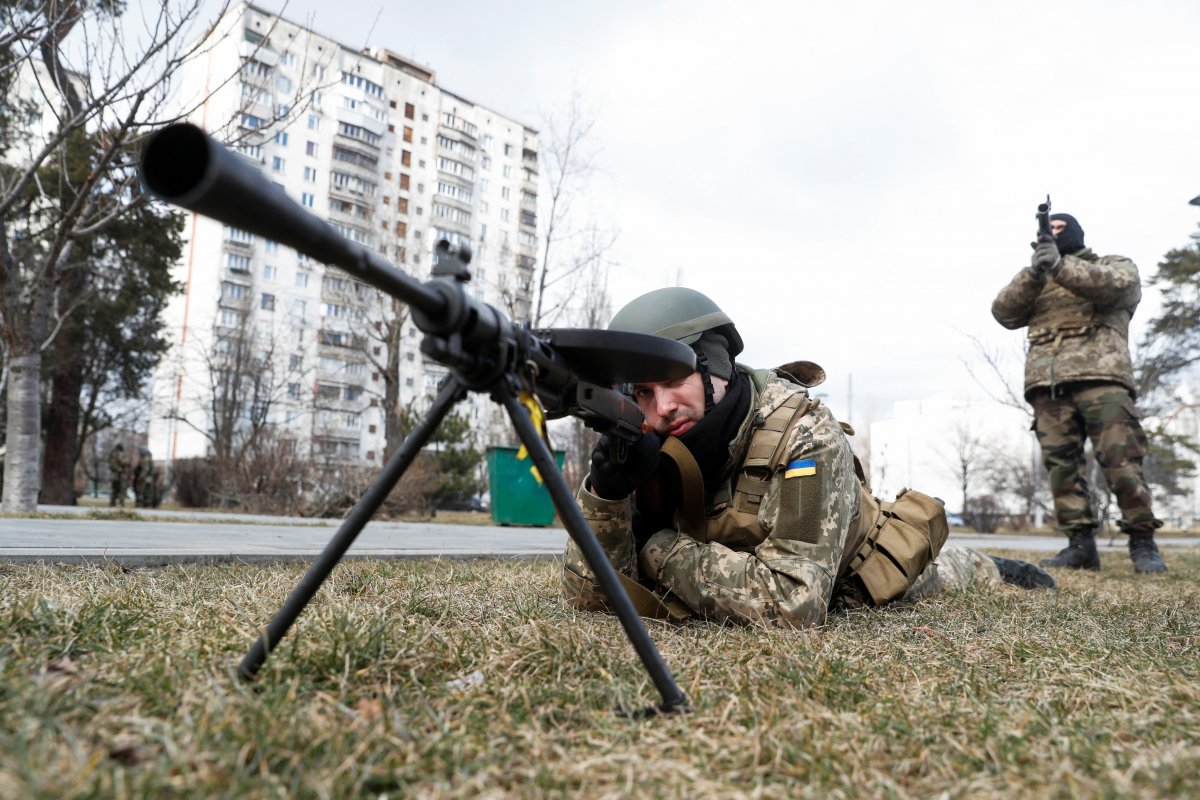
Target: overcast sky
{"points": [[852, 181]]}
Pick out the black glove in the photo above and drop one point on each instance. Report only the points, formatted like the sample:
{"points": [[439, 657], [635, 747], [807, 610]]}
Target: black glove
{"points": [[1045, 258], [614, 481]]}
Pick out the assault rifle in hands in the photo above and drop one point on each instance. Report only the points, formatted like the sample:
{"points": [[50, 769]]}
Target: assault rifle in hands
{"points": [[1044, 233], [569, 371]]}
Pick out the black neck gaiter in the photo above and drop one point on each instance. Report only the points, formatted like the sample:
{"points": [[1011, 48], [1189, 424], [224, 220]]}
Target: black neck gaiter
{"points": [[709, 439]]}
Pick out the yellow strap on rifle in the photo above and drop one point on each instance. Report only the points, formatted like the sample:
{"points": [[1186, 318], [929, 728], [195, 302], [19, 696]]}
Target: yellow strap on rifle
{"points": [[539, 423]]}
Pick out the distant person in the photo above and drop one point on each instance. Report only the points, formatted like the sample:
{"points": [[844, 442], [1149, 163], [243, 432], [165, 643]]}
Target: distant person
{"points": [[744, 502], [118, 468], [1079, 380], [144, 480]]}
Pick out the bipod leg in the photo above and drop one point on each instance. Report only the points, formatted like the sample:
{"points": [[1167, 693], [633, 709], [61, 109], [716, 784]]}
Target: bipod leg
{"points": [[577, 526], [359, 516]]}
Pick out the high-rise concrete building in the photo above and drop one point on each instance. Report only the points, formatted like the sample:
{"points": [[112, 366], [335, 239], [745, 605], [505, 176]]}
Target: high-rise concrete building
{"points": [[368, 141]]}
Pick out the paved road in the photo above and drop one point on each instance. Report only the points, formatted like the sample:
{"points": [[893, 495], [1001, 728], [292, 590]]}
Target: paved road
{"points": [[166, 537]]}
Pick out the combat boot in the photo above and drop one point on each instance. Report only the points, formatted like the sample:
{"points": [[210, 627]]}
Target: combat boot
{"points": [[1080, 553], [1144, 553], [1023, 574]]}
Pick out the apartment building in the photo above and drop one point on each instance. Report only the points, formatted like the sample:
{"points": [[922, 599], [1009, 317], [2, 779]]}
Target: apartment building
{"points": [[368, 141]]}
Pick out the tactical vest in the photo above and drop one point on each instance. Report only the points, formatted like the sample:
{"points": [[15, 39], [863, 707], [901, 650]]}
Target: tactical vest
{"points": [[1073, 339], [1061, 314]]}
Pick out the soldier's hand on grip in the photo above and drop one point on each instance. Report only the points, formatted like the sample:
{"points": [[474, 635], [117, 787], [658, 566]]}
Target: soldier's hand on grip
{"points": [[614, 481], [1045, 258]]}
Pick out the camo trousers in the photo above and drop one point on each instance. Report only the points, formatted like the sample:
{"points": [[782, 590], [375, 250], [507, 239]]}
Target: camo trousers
{"points": [[1104, 413], [955, 568]]}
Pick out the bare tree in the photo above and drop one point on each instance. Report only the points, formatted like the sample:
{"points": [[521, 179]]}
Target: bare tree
{"points": [[98, 86], [572, 250], [964, 460], [94, 84]]}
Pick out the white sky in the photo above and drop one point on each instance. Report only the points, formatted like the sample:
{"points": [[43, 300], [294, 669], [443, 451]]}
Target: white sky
{"points": [[852, 181]]}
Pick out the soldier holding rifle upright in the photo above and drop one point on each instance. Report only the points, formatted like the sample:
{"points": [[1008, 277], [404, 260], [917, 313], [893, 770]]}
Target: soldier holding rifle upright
{"points": [[1079, 380]]}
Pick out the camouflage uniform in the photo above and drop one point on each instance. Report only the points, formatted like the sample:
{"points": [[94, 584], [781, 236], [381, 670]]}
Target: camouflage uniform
{"points": [[118, 467], [1079, 380], [778, 566]]}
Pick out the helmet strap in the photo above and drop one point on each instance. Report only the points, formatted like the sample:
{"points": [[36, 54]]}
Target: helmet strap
{"points": [[706, 376]]}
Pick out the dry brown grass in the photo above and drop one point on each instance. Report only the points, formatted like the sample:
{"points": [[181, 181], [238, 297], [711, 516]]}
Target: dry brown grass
{"points": [[466, 679]]}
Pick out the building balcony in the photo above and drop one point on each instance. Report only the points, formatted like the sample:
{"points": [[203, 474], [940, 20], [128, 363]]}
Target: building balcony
{"points": [[236, 303], [258, 52]]}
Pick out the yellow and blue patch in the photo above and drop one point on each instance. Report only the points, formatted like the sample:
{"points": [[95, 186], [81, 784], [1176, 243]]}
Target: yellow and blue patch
{"points": [[800, 467]]}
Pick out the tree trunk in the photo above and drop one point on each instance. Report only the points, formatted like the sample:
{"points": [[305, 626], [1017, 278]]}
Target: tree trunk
{"points": [[24, 428], [62, 432]]}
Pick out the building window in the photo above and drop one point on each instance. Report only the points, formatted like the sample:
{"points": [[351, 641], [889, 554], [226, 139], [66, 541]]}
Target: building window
{"points": [[270, 272], [283, 84], [310, 149], [409, 110], [404, 179], [234, 291], [302, 280], [294, 363], [306, 199], [408, 133], [281, 139], [406, 158], [277, 164], [267, 302], [310, 174], [314, 122], [294, 390], [237, 263]]}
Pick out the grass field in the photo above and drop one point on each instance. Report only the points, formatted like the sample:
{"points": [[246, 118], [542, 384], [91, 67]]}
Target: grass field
{"points": [[468, 679]]}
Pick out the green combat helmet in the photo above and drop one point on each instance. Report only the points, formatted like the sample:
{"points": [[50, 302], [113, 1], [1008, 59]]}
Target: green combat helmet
{"points": [[686, 316]]}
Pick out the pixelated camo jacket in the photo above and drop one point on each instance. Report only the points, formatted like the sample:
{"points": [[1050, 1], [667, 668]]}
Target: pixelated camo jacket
{"points": [[1078, 320], [777, 567]]}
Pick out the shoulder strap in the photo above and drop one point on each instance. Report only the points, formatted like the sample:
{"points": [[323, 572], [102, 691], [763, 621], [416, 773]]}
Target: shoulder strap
{"points": [[691, 502]]}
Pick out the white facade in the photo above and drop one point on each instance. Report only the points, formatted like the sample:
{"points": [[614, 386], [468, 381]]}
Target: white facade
{"points": [[369, 142]]}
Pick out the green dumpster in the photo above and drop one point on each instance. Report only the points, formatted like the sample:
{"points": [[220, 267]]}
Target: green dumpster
{"points": [[517, 497]]}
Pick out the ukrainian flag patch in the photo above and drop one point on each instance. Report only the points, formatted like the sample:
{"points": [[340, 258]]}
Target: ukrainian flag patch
{"points": [[800, 468]]}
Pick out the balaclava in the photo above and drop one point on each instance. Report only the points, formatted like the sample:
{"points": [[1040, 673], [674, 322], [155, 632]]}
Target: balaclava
{"points": [[1070, 241]]}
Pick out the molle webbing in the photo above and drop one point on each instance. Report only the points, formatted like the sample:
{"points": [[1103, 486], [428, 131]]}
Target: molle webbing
{"points": [[767, 451]]}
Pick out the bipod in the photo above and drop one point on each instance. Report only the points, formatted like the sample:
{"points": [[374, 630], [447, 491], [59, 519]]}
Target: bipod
{"points": [[577, 527]]}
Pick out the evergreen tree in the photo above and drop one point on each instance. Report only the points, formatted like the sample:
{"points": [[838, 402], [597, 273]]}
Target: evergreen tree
{"points": [[1172, 341]]}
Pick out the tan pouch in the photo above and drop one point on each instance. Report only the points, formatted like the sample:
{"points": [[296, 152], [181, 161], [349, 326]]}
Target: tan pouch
{"points": [[906, 537]]}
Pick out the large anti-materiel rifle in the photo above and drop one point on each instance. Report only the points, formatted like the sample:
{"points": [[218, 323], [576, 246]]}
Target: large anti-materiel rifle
{"points": [[570, 371]]}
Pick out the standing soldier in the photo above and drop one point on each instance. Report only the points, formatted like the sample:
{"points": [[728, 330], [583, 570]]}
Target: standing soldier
{"points": [[1079, 380], [143, 479], [118, 467]]}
